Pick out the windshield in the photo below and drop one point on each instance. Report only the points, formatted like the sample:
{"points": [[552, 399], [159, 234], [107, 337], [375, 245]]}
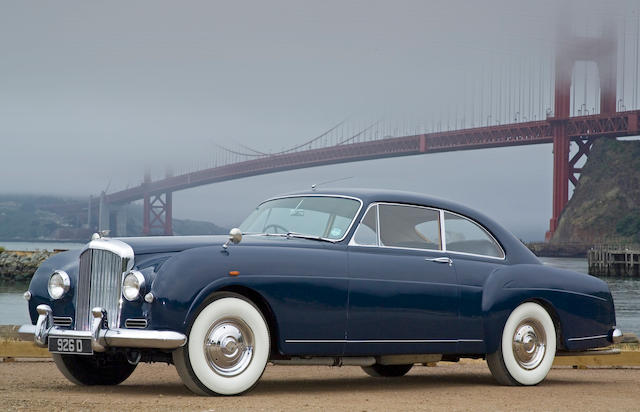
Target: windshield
{"points": [[318, 216]]}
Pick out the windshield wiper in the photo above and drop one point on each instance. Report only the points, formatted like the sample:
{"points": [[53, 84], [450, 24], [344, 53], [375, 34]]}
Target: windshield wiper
{"points": [[296, 235], [312, 237]]}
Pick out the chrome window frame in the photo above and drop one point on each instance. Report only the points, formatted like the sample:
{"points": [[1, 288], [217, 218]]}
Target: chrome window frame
{"points": [[353, 220], [380, 245], [484, 229], [352, 241], [443, 236]]}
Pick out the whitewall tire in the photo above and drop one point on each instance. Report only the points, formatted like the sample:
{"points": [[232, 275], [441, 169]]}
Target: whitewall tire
{"points": [[527, 348], [227, 350]]}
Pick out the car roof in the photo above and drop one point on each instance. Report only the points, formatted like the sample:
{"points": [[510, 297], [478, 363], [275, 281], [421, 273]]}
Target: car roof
{"points": [[514, 249], [395, 196]]}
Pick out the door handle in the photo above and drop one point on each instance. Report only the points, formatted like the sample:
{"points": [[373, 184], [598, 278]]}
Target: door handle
{"points": [[440, 260]]}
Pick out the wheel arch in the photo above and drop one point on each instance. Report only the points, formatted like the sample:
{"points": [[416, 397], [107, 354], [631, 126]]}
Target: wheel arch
{"points": [[507, 288], [257, 299], [553, 313], [247, 293]]}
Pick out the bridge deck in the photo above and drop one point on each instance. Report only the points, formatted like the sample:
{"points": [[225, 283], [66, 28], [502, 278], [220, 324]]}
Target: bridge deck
{"points": [[536, 132]]}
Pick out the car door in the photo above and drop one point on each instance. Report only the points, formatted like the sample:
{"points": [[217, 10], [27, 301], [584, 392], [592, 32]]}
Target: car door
{"points": [[403, 291], [476, 254]]}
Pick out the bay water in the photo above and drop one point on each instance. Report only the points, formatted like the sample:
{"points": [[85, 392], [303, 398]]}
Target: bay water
{"points": [[625, 291]]}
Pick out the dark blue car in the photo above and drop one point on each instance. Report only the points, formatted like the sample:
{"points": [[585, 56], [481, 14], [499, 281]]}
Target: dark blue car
{"points": [[379, 279]]}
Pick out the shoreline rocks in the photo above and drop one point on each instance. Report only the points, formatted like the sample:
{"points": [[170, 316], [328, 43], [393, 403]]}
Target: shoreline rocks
{"points": [[19, 266]]}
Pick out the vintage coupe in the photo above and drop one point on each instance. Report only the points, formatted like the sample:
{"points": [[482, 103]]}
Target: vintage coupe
{"points": [[378, 279]]}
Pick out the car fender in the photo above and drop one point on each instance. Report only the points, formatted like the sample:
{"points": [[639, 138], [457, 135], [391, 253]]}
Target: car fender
{"points": [[280, 280], [580, 305]]}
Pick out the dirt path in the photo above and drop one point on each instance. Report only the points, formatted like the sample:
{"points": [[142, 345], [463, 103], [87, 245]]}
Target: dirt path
{"points": [[39, 386]]}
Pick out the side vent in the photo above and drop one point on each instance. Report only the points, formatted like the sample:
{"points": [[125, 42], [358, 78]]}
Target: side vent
{"points": [[62, 321], [135, 323]]}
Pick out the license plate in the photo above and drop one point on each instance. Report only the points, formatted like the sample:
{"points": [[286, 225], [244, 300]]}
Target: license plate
{"points": [[77, 346]]}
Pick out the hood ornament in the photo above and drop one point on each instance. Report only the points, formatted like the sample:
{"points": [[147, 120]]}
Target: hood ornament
{"points": [[100, 234]]}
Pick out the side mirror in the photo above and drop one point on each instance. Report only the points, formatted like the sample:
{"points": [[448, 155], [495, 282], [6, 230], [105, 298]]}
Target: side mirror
{"points": [[235, 236]]}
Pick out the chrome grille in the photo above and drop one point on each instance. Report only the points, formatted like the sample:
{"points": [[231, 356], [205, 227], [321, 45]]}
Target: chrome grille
{"points": [[99, 283]]}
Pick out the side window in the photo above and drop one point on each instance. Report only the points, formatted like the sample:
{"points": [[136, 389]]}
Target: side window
{"points": [[466, 236], [367, 231], [410, 227]]}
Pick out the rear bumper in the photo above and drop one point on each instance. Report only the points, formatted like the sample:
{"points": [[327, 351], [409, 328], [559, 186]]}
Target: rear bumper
{"points": [[101, 337], [615, 335]]}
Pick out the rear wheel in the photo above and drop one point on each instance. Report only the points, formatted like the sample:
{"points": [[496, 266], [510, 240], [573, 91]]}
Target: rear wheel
{"points": [[527, 348], [387, 371], [228, 348], [99, 369]]}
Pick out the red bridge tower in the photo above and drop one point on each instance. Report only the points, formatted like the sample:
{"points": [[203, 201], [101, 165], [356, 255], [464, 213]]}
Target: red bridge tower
{"points": [[603, 51]]}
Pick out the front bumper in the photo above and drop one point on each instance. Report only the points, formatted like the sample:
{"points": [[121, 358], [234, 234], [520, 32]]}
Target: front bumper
{"points": [[101, 336]]}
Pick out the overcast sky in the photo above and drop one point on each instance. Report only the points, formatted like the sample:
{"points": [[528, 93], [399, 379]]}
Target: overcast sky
{"points": [[94, 93]]}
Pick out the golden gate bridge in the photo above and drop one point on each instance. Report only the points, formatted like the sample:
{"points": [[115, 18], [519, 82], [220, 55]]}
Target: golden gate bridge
{"points": [[538, 102]]}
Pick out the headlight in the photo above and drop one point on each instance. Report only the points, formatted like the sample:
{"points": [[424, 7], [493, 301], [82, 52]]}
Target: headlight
{"points": [[132, 284], [59, 284]]}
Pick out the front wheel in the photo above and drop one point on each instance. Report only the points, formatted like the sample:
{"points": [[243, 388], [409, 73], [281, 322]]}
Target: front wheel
{"points": [[527, 348], [228, 348], [99, 369], [387, 371]]}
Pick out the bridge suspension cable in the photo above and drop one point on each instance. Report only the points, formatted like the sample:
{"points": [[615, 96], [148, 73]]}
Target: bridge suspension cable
{"points": [[257, 153]]}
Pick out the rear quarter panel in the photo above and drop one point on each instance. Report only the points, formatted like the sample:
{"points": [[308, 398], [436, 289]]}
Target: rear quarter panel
{"points": [[581, 304]]}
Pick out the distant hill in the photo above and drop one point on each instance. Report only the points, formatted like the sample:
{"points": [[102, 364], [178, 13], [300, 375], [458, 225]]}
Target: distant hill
{"points": [[22, 217], [605, 206]]}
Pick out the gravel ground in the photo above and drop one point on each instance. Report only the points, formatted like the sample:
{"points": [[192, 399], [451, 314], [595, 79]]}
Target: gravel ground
{"points": [[465, 386]]}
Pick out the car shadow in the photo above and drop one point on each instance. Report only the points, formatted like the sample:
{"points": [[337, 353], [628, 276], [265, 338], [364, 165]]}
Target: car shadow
{"points": [[402, 384], [364, 384]]}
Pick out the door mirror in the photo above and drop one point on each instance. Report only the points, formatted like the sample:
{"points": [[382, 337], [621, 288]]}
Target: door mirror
{"points": [[235, 235]]}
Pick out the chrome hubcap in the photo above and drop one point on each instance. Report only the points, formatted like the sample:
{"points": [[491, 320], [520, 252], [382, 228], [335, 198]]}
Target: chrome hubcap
{"points": [[529, 344], [228, 346]]}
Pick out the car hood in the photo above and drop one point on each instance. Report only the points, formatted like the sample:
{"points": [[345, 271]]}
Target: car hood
{"points": [[166, 244]]}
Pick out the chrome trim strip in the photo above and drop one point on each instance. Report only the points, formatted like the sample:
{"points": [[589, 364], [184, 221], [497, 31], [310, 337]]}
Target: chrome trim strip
{"points": [[590, 352], [443, 232], [353, 220], [589, 337], [378, 224], [480, 256], [383, 340]]}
